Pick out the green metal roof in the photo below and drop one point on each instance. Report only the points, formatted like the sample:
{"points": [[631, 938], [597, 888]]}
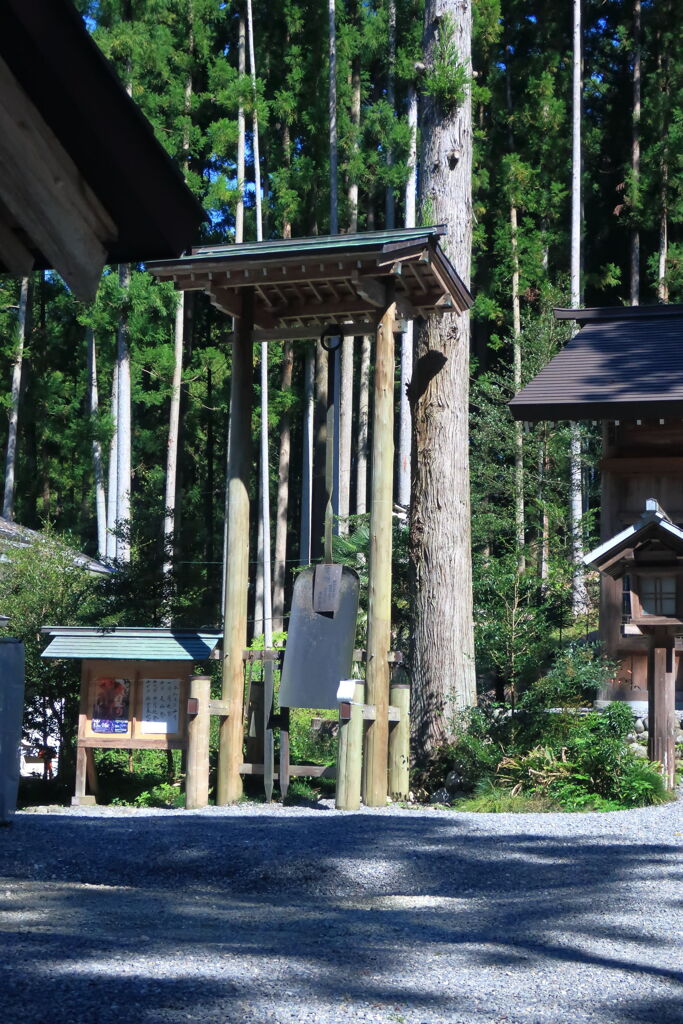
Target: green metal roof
{"points": [[314, 244], [129, 643]]}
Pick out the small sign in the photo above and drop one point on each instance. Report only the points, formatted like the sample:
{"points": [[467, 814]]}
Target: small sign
{"points": [[109, 725], [160, 706], [326, 584]]}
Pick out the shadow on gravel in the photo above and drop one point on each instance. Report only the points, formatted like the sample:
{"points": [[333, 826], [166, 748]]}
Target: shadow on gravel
{"points": [[191, 917]]}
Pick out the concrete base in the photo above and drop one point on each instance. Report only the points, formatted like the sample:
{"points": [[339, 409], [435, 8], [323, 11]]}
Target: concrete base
{"points": [[83, 801]]}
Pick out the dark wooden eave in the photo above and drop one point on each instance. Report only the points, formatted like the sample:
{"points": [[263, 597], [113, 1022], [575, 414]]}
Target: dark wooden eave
{"points": [[304, 284], [83, 180], [624, 363]]}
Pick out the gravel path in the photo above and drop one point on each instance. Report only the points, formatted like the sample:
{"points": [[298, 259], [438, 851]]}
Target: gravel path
{"points": [[261, 914]]}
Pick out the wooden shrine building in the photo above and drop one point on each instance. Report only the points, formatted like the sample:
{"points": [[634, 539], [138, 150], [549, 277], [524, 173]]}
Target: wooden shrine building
{"points": [[624, 367], [341, 285]]}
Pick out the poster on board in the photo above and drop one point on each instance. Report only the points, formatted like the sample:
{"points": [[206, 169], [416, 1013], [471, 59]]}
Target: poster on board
{"points": [[111, 705], [160, 706]]}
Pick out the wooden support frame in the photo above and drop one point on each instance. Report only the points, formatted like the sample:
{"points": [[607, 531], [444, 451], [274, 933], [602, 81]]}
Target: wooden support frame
{"points": [[376, 745], [236, 568]]}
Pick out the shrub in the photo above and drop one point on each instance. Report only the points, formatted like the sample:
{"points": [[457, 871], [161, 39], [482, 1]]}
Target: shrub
{"points": [[548, 749]]}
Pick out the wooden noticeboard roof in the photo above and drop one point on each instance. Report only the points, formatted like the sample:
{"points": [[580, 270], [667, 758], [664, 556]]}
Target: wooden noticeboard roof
{"points": [[304, 284], [624, 363], [129, 643]]}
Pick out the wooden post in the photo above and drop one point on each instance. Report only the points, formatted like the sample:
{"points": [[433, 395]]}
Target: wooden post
{"points": [[236, 568], [661, 695], [399, 737], [284, 752], [254, 751], [379, 603], [350, 751], [198, 728]]}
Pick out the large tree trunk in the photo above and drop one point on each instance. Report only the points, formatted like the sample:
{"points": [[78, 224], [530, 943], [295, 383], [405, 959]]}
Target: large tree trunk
{"points": [[98, 473], [442, 654], [13, 426]]}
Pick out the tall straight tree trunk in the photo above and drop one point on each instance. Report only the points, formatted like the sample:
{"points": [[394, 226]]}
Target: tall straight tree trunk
{"points": [[347, 345], [442, 655], [123, 425], [172, 445], [319, 494], [98, 472], [518, 487], [363, 428], [280, 560], [307, 457], [517, 383], [113, 464], [663, 250], [405, 425], [263, 581], [171, 494], [13, 426], [389, 205], [579, 593], [663, 254], [635, 155], [239, 237]]}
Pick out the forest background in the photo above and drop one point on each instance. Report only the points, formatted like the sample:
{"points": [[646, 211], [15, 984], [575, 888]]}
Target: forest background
{"points": [[180, 60]]}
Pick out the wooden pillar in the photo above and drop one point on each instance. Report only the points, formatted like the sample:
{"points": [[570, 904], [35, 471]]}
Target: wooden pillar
{"points": [[399, 738], [375, 761], [198, 728], [350, 751], [661, 695], [236, 568]]}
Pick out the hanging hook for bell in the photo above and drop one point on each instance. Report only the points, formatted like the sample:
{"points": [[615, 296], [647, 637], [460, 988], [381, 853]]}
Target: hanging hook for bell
{"points": [[331, 337]]}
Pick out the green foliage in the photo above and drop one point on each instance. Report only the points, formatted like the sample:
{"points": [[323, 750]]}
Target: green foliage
{"points": [[447, 79], [547, 751]]}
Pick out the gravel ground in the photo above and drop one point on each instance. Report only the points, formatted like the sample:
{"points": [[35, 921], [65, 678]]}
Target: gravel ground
{"points": [[258, 914]]}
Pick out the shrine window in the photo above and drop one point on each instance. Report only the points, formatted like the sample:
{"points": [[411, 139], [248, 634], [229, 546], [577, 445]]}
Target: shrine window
{"points": [[658, 595]]}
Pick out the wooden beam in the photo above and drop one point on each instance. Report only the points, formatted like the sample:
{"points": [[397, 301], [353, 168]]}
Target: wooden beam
{"points": [[355, 329], [229, 300], [236, 568], [374, 292], [214, 272], [375, 764], [46, 194]]}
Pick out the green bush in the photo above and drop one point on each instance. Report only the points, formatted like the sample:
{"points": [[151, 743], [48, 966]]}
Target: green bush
{"points": [[548, 749]]}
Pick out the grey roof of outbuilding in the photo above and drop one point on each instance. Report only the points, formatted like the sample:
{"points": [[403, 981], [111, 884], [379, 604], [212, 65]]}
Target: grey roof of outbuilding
{"points": [[13, 535], [624, 363], [129, 643]]}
